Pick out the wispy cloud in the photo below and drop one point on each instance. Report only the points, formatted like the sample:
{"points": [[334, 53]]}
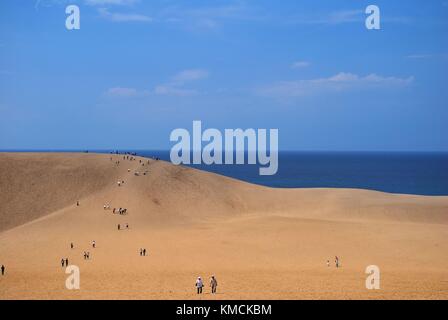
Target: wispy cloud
{"points": [[123, 17], [209, 17], [337, 83], [340, 17], [336, 17], [190, 75], [123, 92], [110, 2], [300, 64], [170, 90], [427, 55], [176, 86]]}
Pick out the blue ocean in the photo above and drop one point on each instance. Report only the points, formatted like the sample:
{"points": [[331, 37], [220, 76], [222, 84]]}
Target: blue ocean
{"points": [[396, 172]]}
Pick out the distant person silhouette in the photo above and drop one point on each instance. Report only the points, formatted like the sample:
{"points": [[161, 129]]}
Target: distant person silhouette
{"points": [[144, 252], [3, 270], [66, 262], [62, 262]]}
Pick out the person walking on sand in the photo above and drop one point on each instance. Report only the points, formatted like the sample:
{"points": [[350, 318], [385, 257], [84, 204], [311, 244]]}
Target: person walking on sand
{"points": [[62, 262], [118, 226], [141, 252], [71, 245], [213, 284], [93, 244], [77, 203], [66, 262], [3, 270], [144, 252], [336, 261], [199, 285]]}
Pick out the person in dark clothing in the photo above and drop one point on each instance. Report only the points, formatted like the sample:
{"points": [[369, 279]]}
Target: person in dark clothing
{"points": [[3, 270], [62, 262]]}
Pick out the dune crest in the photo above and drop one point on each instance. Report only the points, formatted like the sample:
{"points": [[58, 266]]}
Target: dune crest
{"points": [[37, 184]]}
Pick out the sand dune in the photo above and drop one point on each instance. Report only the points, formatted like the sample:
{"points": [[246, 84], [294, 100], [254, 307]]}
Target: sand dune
{"points": [[259, 242]]}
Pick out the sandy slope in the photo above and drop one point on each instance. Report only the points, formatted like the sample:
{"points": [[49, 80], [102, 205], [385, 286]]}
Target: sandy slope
{"points": [[259, 242]]}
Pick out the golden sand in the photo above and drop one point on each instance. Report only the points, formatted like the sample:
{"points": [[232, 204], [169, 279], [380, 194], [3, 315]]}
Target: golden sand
{"points": [[261, 243]]}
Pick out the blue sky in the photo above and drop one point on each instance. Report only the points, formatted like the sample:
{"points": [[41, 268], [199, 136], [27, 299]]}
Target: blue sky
{"points": [[136, 70]]}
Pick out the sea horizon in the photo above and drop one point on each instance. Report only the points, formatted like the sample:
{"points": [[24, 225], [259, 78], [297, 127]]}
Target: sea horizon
{"points": [[400, 172]]}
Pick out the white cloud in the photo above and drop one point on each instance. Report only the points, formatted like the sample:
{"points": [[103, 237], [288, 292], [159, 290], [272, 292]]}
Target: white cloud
{"points": [[340, 17], [176, 87], [345, 16], [419, 56], [339, 82], [427, 56], [336, 17], [110, 2], [125, 92], [123, 17], [209, 17], [168, 90], [190, 75], [300, 64]]}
